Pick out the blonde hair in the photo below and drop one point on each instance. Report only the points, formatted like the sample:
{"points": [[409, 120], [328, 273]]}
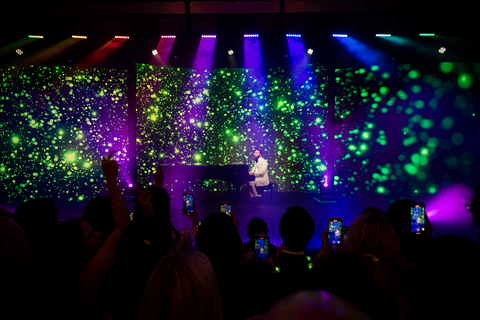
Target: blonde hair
{"points": [[373, 239], [182, 286]]}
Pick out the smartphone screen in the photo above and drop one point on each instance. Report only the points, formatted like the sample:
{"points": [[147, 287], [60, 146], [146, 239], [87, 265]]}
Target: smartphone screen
{"points": [[131, 215], [417, 218], [226, 207], [334, 231], [188, 203], [261, 246]]}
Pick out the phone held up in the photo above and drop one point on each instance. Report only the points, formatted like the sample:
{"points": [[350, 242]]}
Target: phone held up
{"points": [[226, 207], [262, 242], [334, 231], [188, 203], [417, 218]]}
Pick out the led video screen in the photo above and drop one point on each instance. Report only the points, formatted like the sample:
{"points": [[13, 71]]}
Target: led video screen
{"points": [[406, 129], [220, 116], [57, 123]]}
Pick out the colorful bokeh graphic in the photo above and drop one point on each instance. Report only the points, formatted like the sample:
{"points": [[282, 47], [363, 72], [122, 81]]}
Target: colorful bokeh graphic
{"points": [[219, 117], [57, 123], [406, 129]]}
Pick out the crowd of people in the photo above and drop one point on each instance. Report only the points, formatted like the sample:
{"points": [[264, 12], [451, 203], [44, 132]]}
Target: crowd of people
{"points": [[109, 266]]}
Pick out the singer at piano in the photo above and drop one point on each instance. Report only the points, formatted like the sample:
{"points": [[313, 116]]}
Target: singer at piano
{"points": [[261, 175]]}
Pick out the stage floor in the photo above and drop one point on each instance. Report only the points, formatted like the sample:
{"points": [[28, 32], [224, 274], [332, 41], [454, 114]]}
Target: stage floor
{"points": [[445, 220]]}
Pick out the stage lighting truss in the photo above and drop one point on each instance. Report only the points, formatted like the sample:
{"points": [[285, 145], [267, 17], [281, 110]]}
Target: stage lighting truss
{"points": [[310, 51], [339, 35], [79, 37], [442, 50], [383, 35], [31, 36], [230, 52]]}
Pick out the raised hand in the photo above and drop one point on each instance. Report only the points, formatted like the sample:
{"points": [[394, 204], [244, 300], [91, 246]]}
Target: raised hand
{"points": [[110, 167], [158, 176], [145, 201]]}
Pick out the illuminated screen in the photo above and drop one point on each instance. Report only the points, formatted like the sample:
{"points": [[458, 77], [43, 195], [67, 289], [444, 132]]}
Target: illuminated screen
{"points": [[406, 129], [57, 123], [220, 116]]}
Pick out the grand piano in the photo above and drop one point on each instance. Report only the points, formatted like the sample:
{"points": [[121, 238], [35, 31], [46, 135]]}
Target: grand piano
{"points": [[235, 175]]}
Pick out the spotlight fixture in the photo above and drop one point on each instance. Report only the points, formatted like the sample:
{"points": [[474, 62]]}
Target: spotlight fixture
{"points": [[292, 35], [79, 37], [442, 50], [19, 52], [122, 37], [208, 36], [338, 35], [310, 51], [154, 52], [250, 35], [168, 37], [35, 36], [383, 35], [230, 52], [427, 34]]}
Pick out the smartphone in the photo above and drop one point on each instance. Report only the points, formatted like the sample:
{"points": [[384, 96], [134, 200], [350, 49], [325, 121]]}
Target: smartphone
{"points": [[226, 207], [334, 231], [188, 203], [417, 218], [344, 233], [262, 242], [131, 215]]}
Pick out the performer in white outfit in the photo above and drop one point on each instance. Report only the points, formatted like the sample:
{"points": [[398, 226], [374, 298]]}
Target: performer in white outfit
{"points": [[261, 174]]}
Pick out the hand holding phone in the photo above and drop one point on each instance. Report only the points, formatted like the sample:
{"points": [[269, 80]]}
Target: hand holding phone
{"points": [[417, 218], [335, 231], [262, 242], [188, 203], [226, 207]]}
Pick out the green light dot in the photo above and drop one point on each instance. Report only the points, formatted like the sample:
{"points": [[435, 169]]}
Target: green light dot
{"points": [[380, 189], [464, 81], [419, 104], [447, 123], [432, 142], [413, 74], [416, 89], [15, 139], [426, 123], [457, 138], [446, 67], [384, 90], [411, 169], [415, 158]]}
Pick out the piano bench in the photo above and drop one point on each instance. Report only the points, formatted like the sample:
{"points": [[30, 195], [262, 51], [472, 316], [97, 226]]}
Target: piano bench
{"points": [[269, 188]]}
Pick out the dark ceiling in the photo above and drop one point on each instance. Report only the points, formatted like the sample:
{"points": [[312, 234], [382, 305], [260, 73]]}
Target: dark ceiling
{"points": [[145, 21]]}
